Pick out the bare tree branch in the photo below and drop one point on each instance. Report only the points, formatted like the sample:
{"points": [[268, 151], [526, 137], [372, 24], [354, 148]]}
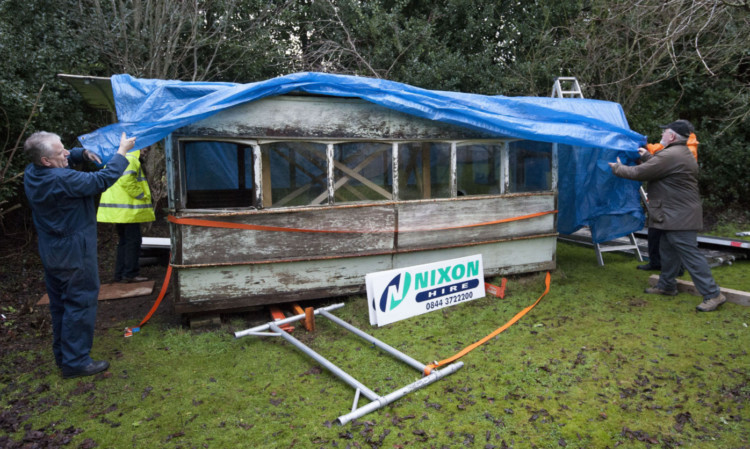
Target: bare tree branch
{"points": [[20, 136]]}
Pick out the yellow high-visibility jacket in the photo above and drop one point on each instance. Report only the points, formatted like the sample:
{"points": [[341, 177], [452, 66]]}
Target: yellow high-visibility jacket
{"points": [[129, 199]]}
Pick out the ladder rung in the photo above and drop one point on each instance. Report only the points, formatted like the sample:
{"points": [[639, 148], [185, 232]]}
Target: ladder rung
{"points": [[617, 248]]}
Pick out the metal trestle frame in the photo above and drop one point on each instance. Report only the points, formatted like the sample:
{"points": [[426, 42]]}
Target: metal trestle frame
{"points": [[377, 401]]}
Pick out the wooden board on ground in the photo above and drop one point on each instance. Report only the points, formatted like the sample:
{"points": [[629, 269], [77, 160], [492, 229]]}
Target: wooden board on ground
{"points": [[117, 290], [734, 296]]}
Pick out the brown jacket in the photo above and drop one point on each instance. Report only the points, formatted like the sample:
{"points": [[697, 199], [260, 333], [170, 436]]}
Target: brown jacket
{"points": [[674, 202]]}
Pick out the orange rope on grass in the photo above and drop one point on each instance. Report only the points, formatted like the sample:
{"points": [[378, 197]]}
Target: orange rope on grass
{"points": [[428, 369]]}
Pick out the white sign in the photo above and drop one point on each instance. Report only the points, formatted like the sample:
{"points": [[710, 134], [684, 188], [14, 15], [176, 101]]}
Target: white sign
{"points": [[394, 295]]}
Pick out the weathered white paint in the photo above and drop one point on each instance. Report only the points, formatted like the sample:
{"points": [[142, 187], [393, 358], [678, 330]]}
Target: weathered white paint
{"points": [[237, 285], [220, 269], [308, 117]]}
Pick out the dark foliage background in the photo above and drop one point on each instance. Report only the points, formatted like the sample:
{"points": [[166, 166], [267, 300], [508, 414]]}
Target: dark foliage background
{"points": [[660, 59]]}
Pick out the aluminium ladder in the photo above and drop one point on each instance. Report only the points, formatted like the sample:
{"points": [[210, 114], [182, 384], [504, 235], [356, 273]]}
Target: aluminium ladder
{"points": [[568, 87]]}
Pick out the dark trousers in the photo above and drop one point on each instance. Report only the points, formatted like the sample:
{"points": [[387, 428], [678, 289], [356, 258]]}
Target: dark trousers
{"points": [[72, 280], [128, 250], [680, 248], [654, 235]]}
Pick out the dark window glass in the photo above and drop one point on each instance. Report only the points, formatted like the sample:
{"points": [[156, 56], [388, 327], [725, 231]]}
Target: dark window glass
{"points": [[218, 175], [424, 170], [530, 166]]}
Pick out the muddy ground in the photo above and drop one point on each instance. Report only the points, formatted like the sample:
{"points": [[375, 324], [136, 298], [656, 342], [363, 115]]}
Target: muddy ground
{"points": [[22, 286]]}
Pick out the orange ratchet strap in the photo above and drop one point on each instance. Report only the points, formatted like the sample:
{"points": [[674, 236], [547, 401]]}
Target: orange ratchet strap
{"points": [[129, 331], [428, 369], [494, 290], [251, 227]]}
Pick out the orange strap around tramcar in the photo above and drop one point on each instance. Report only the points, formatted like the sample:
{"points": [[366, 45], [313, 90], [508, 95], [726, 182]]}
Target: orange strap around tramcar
{"points": [[428, 369], [229, 225], [163, 291]]}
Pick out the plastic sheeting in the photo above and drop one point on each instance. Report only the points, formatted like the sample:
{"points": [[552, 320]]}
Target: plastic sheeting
{"points": [[590, 132]]}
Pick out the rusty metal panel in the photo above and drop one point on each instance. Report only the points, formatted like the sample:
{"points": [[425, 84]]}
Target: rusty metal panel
{"points": [[452, 220], [310, 117], [371, 231]]}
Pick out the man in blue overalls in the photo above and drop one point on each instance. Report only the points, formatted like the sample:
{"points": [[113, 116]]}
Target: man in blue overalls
{"points": [[62, 203]]}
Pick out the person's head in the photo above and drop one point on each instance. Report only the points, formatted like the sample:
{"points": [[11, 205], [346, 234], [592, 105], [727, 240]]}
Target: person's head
{"points": [[46, 149], [676, 132]]}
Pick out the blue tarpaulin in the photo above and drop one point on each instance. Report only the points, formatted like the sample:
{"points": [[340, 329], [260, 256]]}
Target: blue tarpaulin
{"points": [[590, 133]]}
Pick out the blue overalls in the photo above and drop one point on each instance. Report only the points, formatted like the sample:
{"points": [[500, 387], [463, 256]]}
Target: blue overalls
{"points": [[62, 203]]}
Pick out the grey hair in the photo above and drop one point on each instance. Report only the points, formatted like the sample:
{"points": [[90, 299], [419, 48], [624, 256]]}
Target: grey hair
{"points": [[679, 138], [39, 145]]}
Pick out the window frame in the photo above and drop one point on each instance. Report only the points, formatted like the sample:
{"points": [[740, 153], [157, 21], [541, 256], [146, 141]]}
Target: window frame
{"points": [[261, 178]]}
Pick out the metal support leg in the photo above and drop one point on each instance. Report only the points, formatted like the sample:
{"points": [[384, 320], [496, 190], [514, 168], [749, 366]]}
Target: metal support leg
{"points": [[385, 347], [387, 399], [341, 374], [356, 400]]}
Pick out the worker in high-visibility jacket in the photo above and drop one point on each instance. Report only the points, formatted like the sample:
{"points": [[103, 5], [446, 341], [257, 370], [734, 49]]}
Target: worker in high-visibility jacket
{"points": [[128, 204]]}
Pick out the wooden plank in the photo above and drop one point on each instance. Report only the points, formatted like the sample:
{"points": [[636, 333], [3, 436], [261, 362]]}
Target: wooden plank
{"points": [[453, 220], [252, 301], [116, 291], [376, 224], [733, 296], [498, 258], [202, 245], [426, 173], [236, 287], [203, 321], [266, 176]]}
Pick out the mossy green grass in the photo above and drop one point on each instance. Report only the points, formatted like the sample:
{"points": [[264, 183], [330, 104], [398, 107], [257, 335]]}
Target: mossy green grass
{"points": [[598, 363]]}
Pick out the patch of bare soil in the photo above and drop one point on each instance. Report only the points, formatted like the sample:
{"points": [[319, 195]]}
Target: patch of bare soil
{"points": [[25, 324]]}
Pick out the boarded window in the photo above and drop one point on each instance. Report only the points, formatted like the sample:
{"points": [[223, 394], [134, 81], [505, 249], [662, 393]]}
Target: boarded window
{"points": [[218, 175], [424, 170], [294, 174], [478, 169], [363, 171], [530, 166]]}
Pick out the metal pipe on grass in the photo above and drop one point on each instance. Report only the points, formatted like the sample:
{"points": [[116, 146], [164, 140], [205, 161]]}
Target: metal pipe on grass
{"points": [[387, 399], [341, 374], [384, 346]]}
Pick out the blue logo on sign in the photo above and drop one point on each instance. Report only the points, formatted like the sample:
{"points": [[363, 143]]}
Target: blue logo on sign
{"points": [[447, 290], [394, 290]]}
